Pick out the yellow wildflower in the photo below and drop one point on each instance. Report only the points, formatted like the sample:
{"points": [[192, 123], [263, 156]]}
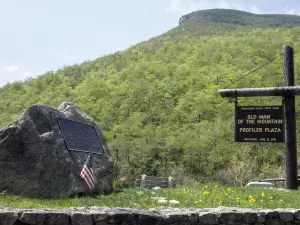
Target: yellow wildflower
{"points": [[251, 199], [206, 193]]}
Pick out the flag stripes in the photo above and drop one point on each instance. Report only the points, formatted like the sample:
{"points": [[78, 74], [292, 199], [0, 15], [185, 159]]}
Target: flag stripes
{"points": [[87, 172]]}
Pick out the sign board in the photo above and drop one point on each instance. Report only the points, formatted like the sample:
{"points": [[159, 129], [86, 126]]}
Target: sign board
{"points": [[80, 136], [259, 124]]}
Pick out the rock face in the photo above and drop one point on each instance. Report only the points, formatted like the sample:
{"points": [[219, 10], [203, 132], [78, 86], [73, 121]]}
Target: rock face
{"points": [[35, 162], [237, 17]]}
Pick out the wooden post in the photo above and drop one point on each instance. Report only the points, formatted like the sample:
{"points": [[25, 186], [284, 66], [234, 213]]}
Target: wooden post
{"points": [[235, 114], [290, 121], [171, 183], [143, 181], [255, 92]]}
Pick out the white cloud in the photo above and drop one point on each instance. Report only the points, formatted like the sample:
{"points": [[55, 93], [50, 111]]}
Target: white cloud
{"points": [[291, 11], [27, 74], [254, 9], [288, 10], [224, 4], [11, 69]]}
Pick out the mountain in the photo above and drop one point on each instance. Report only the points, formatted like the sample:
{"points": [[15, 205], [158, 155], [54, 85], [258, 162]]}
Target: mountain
{"points": [[158, 105], [236, 17]]}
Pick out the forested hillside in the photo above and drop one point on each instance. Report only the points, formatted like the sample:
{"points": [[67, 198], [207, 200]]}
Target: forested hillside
{"points": [[158, 104]]}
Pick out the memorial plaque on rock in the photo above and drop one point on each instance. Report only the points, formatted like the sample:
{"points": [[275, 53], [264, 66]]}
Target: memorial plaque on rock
{"points": [[39, 153], [80, 136]]}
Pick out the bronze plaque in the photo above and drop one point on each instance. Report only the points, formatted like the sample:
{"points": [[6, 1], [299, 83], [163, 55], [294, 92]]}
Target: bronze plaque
{"points": [[80, 136]]}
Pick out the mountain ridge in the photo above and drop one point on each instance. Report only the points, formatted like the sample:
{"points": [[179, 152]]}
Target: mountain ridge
{"points": [[238, 17]]}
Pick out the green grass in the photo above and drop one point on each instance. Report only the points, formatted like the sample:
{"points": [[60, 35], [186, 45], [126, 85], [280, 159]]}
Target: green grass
{"points": [[198, 196]]}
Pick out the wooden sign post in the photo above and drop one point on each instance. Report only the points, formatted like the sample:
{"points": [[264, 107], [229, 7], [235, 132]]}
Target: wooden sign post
{"points": [[288, 93], [291, 180]]}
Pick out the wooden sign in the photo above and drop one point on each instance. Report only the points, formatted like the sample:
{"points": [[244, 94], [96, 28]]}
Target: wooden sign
{"points": [[271, 131], [259, 124]]}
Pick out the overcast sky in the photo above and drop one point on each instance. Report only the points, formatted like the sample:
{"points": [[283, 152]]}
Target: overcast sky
{"points": [[42, 35]]}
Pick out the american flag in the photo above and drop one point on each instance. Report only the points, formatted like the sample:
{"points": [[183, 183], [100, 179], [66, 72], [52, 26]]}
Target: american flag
{"points": [[87, 172]]}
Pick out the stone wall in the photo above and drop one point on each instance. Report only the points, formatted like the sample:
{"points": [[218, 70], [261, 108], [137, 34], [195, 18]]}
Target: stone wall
{"points": [[102, 216]]}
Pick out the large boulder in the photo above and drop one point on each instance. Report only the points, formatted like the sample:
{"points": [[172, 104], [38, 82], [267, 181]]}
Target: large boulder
{"points": [[35, 162]]}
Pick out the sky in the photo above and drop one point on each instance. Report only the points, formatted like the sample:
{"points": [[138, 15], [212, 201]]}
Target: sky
{"points": [[37, 36]]}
